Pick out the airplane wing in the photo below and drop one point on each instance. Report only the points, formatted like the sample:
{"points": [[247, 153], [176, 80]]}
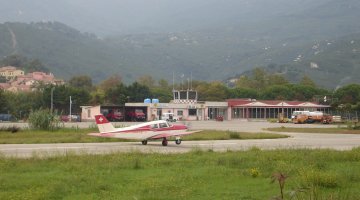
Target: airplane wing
{"points": [[167, 135]]}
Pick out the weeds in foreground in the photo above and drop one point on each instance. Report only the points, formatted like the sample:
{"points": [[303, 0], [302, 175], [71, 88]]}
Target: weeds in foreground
{"points": [[195, 175], [280, 178], [12, 129], [254, 172]]}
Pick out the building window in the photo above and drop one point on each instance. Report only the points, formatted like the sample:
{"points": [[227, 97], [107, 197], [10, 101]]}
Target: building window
{"points": [[192, 112], [180, 113], [89, 113]]}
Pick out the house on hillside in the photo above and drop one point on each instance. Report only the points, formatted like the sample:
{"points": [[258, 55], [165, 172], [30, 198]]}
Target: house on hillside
{"points": [[10, 72], [28, 81]]}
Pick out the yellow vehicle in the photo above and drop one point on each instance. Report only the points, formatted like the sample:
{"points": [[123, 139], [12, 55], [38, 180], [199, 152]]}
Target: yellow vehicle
{"points": [[301, 117]]}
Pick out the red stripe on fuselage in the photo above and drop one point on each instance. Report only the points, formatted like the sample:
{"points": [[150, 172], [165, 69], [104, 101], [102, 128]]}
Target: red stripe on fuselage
{"points": [[148, 128]]}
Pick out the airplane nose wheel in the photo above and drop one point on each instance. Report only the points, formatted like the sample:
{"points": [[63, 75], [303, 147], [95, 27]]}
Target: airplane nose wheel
{"points": [[144, 142], [164, 142], [178, 141]]}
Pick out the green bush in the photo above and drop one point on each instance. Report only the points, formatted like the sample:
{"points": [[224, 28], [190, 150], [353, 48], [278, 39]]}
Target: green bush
{"points": [[312, 177], [44, 119]]}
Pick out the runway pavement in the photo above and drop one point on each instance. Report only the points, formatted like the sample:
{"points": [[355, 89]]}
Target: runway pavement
{"points": [[296, 140]]}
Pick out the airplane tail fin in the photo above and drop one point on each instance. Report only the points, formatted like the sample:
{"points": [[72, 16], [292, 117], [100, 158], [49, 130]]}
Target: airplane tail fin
{"points": [[103, 124]]}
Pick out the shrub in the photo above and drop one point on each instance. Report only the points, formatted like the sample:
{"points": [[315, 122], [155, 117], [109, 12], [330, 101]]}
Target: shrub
{"points": [[43, 119], [254, 172], [273, 120], [234, 135], [312, 177]]}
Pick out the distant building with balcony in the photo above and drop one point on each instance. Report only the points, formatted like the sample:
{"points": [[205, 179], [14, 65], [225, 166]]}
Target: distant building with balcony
{"points": [[18, 81], [10, 72]]}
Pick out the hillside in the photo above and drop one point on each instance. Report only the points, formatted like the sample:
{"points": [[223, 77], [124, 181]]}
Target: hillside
{"points": [[330, 63], [213, 55], [64, 50]]}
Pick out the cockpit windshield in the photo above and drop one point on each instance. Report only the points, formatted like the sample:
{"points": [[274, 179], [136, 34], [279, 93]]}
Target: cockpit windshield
{"points": [[163, 125]]}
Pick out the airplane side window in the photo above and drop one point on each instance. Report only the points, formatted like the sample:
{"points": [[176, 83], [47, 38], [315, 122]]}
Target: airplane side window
{"points": [[163, 125]]}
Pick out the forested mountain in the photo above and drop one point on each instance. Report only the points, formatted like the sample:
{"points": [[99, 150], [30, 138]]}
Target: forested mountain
{"points": [[330, 63], [211, 39], [63, 50], [68, 52]]}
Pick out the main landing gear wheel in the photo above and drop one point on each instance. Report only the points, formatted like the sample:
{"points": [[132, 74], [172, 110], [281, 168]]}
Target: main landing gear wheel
{"points": [[178, 141], [164, 142], [144, 142]]}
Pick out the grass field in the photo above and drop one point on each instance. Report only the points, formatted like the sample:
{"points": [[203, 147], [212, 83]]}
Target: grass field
{"points": [[311, 174], [314, 130], [73, 135]]}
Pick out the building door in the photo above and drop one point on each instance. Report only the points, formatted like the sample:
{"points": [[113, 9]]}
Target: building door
{"points": [[159, 113]]}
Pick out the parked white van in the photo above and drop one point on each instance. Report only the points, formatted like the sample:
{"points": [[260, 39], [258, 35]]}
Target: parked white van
{"points": [[169, 117]]}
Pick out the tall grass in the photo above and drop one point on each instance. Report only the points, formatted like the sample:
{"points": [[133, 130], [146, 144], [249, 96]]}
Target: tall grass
{"points": [[311, 174], [44, 119]]}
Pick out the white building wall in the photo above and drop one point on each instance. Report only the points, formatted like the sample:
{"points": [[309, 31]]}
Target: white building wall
{"points": [[88, 112]]}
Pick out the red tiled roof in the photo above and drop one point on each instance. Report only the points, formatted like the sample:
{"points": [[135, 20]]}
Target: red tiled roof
{"points": [[271, 103]]}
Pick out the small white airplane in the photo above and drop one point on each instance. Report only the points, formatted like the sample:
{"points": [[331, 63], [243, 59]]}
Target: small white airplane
{"points": [[153, 130]]}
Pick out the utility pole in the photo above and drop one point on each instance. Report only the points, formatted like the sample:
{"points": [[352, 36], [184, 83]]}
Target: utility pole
{"points": [[70, 110], [52, 99]]}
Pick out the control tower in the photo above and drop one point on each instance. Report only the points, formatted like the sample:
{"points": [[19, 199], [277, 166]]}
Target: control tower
{"points": [[185, 96]]}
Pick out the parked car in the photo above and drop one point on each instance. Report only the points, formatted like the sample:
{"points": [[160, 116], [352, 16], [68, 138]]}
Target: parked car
{"points": [[7, 117], [66, 118], [136, 115], [115, 116]]}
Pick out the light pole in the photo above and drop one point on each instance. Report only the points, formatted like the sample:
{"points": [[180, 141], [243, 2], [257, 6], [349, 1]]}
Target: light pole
{"points": [[70, 109], [52, 98]]}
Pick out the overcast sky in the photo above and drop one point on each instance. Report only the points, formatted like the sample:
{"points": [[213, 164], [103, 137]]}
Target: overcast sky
{"points": [[134, 16]]}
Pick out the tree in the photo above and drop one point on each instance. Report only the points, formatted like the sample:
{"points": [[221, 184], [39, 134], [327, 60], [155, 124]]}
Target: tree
{"points": [[117, 95], [97, 97], [307, 81], [259, 78], [34, 66], [112, 81], [138, 92], [146, 80], [277, 92], [214, 91], [243, 93], [164, 84], [20, 104], [14, 60], [348, 94], [61, 98], [82, 82], [305, 92], [3, 102], [244, 82], [276, 79], [164, 95]]}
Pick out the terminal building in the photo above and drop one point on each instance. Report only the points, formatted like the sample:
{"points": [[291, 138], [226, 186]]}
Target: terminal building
{"points": [[185, 106]]}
